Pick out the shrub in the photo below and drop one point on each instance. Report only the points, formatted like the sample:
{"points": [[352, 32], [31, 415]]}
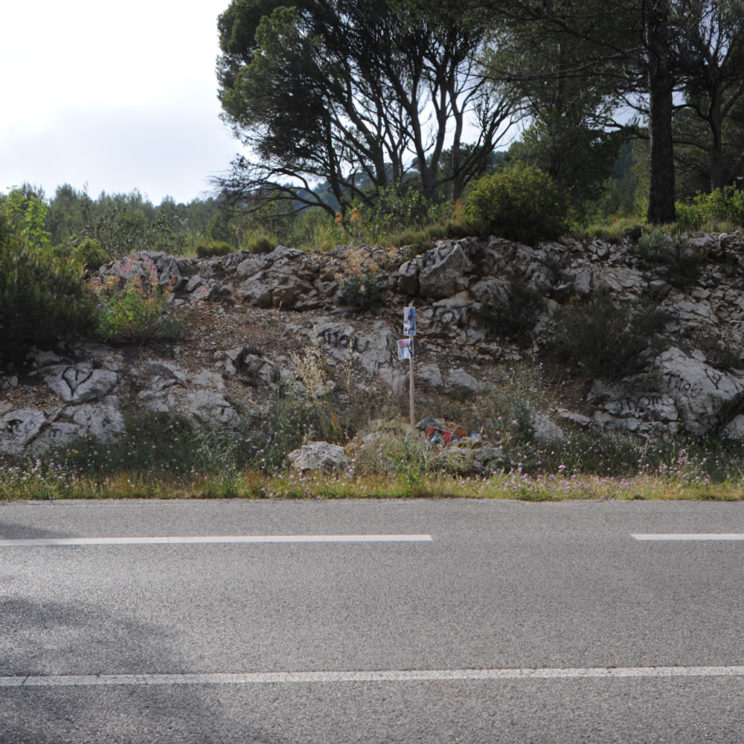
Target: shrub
{"points": [[261, 244], [708, 210], [133, 309], [213, 248], [519, 203], [683, 265], [362, 291], [43, 298], [602, 340], [723, 353], [513, 316], [90, 253]]}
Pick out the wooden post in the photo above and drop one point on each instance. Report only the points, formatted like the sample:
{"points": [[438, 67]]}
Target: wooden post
{"points": [[410, 390]]}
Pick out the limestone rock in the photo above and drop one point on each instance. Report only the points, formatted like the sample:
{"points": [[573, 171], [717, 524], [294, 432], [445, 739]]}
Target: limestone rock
{"points": [[545, 431], [79, 383], [441, 271], [318, 456], [101, 421], [341, 341], [18, 429], [701, 393], [462, 382], [429, 374]]}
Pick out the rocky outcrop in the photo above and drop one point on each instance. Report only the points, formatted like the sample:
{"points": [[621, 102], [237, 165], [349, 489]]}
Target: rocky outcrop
{"points": [[271, 308]]}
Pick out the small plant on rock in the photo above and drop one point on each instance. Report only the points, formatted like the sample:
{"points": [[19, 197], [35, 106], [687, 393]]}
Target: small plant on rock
{"points": [[361, 288], [213, 248], [134, 309]]}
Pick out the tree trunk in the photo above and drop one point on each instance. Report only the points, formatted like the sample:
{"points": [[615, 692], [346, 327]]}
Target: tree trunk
{"points": [[716, 161], [661, 207]]}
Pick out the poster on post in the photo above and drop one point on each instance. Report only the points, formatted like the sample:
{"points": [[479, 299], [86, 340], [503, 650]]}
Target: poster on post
{"points": [[405, 348], [409, 321]]}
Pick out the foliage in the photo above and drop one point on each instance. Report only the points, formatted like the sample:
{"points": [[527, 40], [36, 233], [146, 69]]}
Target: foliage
{"points": [[724, 205], [122, 223], [362, 291], [602, 340], [315, 393], [709, 129], [519, 203], [261, 244], [723, 353], [513, 313], [681, 263], [134, 309], [346, 92], [213, 248], [90, 253], [396, 207], [43, 297]]}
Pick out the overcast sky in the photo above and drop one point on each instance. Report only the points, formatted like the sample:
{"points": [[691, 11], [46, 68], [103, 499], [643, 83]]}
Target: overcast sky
{"points": [[112, 96]]}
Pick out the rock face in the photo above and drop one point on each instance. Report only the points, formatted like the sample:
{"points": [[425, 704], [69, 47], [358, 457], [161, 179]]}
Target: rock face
{"points": [[262, 315], [703, 395]]}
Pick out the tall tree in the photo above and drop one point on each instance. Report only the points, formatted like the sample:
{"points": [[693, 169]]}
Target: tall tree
{"points": [[630, 41], [710, 52], [362, 95], [568, 99]]}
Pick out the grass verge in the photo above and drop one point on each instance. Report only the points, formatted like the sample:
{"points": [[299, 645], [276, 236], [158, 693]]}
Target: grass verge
{"points": [[18, 484]]}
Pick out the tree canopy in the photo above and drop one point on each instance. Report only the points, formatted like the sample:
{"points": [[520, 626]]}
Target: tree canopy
{"points": [[363, 95]]}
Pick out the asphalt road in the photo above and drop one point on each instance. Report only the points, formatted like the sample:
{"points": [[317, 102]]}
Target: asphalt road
{"points": [[478, 622]]}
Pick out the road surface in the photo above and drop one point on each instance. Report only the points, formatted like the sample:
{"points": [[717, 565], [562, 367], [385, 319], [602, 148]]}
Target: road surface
{"points": [[371, 621]]}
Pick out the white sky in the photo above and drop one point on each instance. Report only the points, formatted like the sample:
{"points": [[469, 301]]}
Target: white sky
{"points": [[112, 96]]}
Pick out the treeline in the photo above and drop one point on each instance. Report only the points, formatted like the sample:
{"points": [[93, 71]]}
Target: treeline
{"points": [[364, 96], [120, 223]]}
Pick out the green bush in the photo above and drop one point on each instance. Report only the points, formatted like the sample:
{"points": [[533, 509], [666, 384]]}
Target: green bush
{"points": [[519, 203], [91, 254], [362, 291], [706, 211], [261, 244], [514, 316], [43, 298], [659, 247], [602, 340], [134, 310], [213, 248]]}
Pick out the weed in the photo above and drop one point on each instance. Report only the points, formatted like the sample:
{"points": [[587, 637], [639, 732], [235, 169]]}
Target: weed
{"points": [[261, 244], [362, 292]]}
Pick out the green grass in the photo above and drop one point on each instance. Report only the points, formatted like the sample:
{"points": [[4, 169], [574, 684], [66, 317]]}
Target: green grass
{"points": [[50, 482]]}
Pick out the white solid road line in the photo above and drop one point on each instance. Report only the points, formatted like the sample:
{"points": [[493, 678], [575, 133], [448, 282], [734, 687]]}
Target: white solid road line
{"points": [[208, 540], [423, 675], [688, 536]]}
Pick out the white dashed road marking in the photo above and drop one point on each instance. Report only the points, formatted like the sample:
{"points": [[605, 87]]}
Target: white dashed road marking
{"points": [[209, 540], [424, 675], [688, 536]]}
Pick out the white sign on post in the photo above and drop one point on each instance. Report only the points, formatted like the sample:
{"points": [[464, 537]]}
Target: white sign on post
{"points": [[409, 321], [405, 349]]}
